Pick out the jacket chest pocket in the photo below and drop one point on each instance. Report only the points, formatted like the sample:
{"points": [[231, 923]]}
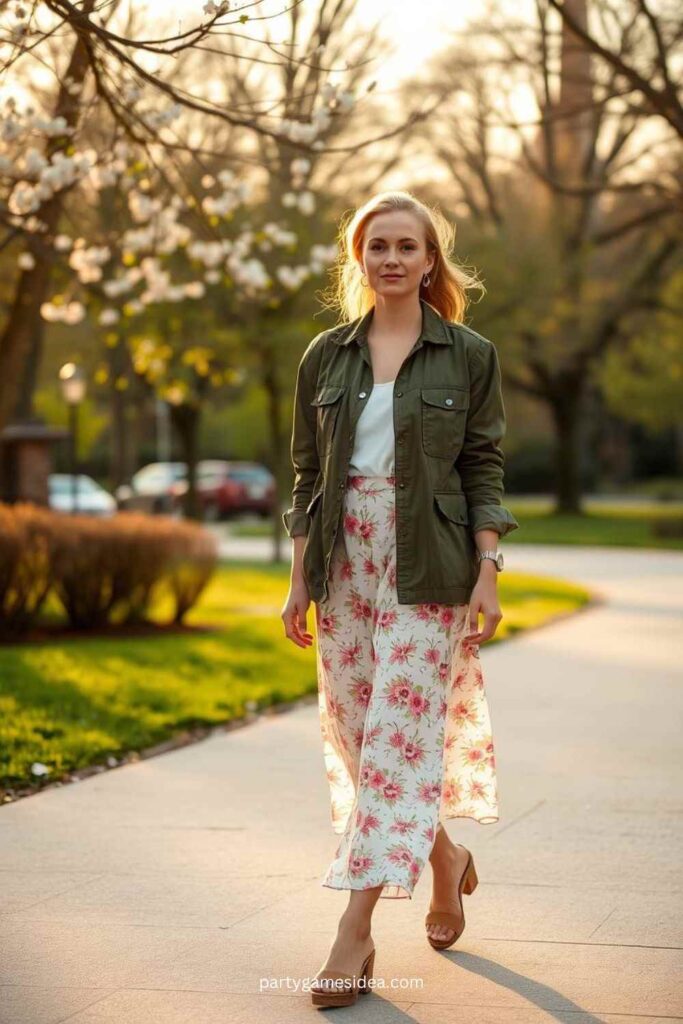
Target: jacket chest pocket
{"points": [[444, 416], [327, 402]]}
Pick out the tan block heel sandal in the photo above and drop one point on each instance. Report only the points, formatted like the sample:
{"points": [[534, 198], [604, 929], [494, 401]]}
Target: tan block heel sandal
{"points": [[468, 883], [341, 989]]}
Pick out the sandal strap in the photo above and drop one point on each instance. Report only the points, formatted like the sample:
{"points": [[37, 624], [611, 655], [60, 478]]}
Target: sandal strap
{"points": [[443, 917], [332, 976]]}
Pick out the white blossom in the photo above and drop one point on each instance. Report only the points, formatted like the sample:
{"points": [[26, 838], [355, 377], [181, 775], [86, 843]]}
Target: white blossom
{"points": [[26, 261], [108, 317]]}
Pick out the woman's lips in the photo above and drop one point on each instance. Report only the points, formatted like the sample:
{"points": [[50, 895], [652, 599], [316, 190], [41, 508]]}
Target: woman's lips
{"points": [[392, 277]]}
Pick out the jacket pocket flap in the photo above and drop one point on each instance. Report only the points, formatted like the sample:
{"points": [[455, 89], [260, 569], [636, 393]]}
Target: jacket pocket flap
{"points": [[328, 393], [449, 398], [453, 506]]}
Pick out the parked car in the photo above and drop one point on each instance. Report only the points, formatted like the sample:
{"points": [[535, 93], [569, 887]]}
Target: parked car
{"points": [[151, 489], [226, 488], [91, 499]]}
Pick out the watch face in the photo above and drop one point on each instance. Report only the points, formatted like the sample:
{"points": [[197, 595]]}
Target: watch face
{"points": [[499, 560]]}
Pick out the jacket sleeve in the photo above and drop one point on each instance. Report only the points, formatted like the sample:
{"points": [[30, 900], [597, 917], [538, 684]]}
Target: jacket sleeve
{"points": [[480, 462], [303, 447]]}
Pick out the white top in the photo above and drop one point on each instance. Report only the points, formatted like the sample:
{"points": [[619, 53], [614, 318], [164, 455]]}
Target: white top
{"points": [[373, 449]]}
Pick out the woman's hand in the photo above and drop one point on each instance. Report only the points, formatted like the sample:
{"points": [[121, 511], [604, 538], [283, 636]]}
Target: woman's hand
{"points": [[294, 614], [484, 599]]}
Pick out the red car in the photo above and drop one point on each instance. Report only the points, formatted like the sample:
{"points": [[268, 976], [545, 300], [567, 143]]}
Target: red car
{"points": [[226, 488]]}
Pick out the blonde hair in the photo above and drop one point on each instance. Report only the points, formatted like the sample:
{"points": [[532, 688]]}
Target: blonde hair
{"points": [[448, 282]]}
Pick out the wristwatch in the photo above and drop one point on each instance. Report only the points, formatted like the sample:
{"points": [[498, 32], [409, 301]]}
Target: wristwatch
{"points": [[495, 556]]}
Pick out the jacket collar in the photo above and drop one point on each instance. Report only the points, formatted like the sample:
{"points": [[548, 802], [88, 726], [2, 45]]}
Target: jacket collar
{"points": [[433, 328]]}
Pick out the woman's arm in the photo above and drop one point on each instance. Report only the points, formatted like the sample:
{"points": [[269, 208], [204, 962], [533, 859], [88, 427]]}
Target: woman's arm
{"points": [[303, 449], [480, 465], [481, 460]]}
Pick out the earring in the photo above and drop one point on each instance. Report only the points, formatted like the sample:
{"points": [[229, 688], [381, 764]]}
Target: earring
{"points": [[426, 280], [364, 281]]}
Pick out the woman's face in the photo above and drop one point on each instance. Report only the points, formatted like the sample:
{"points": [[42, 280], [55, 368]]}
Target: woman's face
{"points": [[394, 253]]}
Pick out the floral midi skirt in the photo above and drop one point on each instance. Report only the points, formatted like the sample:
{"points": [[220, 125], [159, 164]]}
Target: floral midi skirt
{"points": [[403, 712]]}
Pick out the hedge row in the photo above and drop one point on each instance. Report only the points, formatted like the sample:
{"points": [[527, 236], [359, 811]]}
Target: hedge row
{"points": [[102, 570]]}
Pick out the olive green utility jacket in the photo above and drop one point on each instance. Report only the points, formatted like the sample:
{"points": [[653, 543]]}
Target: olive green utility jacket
{"points": [[448, 423]]}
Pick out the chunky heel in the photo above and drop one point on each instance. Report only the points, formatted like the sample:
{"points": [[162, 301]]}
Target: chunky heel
{"points": [[470, 881], [368, 967], [342, 989], [455, 922]]}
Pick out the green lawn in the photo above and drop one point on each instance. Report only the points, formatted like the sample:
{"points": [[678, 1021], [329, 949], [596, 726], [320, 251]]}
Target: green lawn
{"points": [[69, 703]]}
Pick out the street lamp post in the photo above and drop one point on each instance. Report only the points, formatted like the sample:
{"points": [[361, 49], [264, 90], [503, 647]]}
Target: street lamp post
{"points": [[72, 380]]}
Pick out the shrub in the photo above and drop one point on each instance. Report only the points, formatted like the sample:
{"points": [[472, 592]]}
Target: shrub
{"points": [[102, 570], [26, 564]]}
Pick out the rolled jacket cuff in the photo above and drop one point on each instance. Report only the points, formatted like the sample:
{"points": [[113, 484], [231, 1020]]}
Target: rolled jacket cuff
{"points": [[492, 517], [297, 522]]}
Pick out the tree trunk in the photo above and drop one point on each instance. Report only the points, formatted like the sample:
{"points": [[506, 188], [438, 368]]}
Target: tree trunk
{"points": [[185, 420], [565, 412], [22, 337]]}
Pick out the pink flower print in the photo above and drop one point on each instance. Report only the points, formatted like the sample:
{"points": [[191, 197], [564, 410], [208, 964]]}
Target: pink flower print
{"points": [[327, 662], [433, 656], [377, 779], [367, 529], [428, 792], [366, 822], [430, 834], [415, 868], [417, 704], [346, 570], [391, 576], [358, 737], [328, 624], [369, 568], [447, 616], [359, 866], [397, 739], [444, 671], [391, 519], [391, 480], [463, 712], [335, 709], [414, 753], [451, 791], [355, 481], [400, 653], [350, 655], [443, 708], [473, 755], [387, 620], [351, 524], [361, 692], [400, 855], [459, 680], [372, 734], [477, 790], [392, 791], [366, 771], [399, 692], [402, 827]]}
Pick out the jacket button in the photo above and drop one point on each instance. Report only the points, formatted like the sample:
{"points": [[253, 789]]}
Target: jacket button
{"points": [[399, 394], [401, 485], [449, 401], [362, 394], [341, 486]]}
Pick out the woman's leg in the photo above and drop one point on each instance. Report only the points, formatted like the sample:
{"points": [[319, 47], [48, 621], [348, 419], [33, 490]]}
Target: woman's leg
{"points": [[448, 861]]}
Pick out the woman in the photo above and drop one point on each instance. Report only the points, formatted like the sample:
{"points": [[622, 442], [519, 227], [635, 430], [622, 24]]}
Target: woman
{"points": [[396, 513]]}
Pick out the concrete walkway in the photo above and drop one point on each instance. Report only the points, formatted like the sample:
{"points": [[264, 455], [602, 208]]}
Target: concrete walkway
{"points": [[177, 888]]}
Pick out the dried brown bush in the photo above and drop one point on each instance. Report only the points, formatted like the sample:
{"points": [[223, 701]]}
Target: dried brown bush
{"points": [[102, 570]]}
